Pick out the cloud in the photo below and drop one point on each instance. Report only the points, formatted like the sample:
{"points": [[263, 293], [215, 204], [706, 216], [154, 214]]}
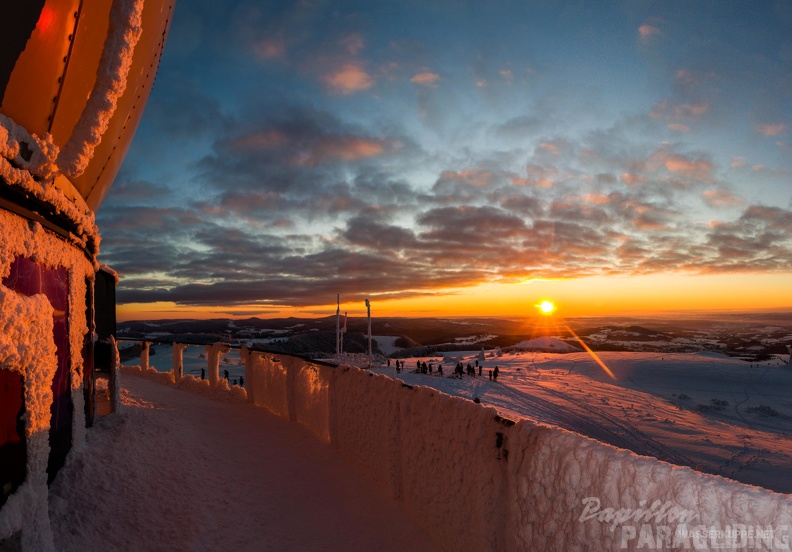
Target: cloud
{"points": [[632, 179], [352, 44], [771, 129], [678, 127], [679, 111], [426, 78], [721, 198], [697, 168], [270, 48], [348, 78], [682, 165], [648, 32]]}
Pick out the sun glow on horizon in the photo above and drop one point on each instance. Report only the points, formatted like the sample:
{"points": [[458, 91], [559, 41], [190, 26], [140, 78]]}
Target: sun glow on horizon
{"points": [[546, 307]]}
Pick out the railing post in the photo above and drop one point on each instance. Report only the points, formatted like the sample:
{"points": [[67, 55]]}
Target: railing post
{"points": [[115, 377], [178, 361], [249, 360], [213, 353], [144, 355]]}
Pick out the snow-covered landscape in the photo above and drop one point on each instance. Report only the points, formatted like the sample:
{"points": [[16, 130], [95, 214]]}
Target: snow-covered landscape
{"points": [[703, 410], [541, 487]]}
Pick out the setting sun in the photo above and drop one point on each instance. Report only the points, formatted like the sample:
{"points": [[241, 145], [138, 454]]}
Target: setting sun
{"points": [[546, 307]]}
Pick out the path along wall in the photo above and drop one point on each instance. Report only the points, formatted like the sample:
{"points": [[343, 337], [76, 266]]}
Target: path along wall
{"points": [[477, 482]]}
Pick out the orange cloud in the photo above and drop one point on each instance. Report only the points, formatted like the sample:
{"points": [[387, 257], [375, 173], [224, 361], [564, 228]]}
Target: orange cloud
{"points": [[596, 199], [667, 110], [721, 198], [680, 164], [771, 129], [648, 32], [538, 182], [344, 148], [261, 140], [475, 177], [426, 78], [270, 48], [549, 147], [632, 179], [350, 78], [678, 127]]}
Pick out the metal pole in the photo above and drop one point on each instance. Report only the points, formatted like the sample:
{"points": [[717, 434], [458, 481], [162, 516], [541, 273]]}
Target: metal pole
{"points": [[338, 327], [368, 308]]}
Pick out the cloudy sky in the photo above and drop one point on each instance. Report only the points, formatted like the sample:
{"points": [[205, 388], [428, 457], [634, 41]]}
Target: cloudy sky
{"points": [[451, 157]]}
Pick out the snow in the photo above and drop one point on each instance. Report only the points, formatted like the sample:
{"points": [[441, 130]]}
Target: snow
{"points": [[178, 360], [387, 343], [213, 354], [115, 379], [111, 80], [475, 482], [545, 343], [38, 177], [198, 474], [27, 346]]}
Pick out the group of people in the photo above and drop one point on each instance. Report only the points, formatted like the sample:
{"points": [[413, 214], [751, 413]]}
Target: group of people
{"points": [[226, 375], [422, 367]]}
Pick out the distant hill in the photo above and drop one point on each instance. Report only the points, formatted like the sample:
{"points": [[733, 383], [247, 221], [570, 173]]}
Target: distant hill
{"points": [[545, 344], [744, 336]]}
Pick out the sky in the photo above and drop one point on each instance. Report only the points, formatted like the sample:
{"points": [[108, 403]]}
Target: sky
{"points": [[460, 158]]}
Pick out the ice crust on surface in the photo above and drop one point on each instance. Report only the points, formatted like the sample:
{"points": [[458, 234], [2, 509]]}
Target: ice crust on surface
{"points": [[111, 79], [37, 175], [496, 486], [28, 347]]}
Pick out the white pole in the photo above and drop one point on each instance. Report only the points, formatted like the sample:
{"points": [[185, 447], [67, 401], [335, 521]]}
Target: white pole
{"points": [[368, 308], [343, 331], [338, 326]]}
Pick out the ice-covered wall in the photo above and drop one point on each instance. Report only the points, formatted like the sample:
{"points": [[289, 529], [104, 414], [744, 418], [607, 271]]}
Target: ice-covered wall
{"points": [[477, 482], [312, 403], [270, 384], [569, 492], [29, 348]]}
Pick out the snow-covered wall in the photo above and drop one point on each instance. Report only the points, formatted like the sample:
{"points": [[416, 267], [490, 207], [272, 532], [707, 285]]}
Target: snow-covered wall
{"points": [[311, 396], [477, 482], [597, 497], [270, 384], [27, 346]]}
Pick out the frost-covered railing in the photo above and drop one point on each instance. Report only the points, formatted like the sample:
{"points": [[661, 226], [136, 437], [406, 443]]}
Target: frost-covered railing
{"points": [[476, 481]]}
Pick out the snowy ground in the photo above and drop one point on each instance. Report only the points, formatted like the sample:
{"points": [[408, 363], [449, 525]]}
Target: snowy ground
{"points": [[179, 472], [669, 406], [706, 411]]}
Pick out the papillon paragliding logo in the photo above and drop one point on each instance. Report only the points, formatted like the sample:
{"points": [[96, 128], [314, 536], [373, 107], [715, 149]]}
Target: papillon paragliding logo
{"points": [[18, 20]]}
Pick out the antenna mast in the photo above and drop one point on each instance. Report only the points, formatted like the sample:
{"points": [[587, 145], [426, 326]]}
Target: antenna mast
{"points": [[338, 325], [368, 308]]}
